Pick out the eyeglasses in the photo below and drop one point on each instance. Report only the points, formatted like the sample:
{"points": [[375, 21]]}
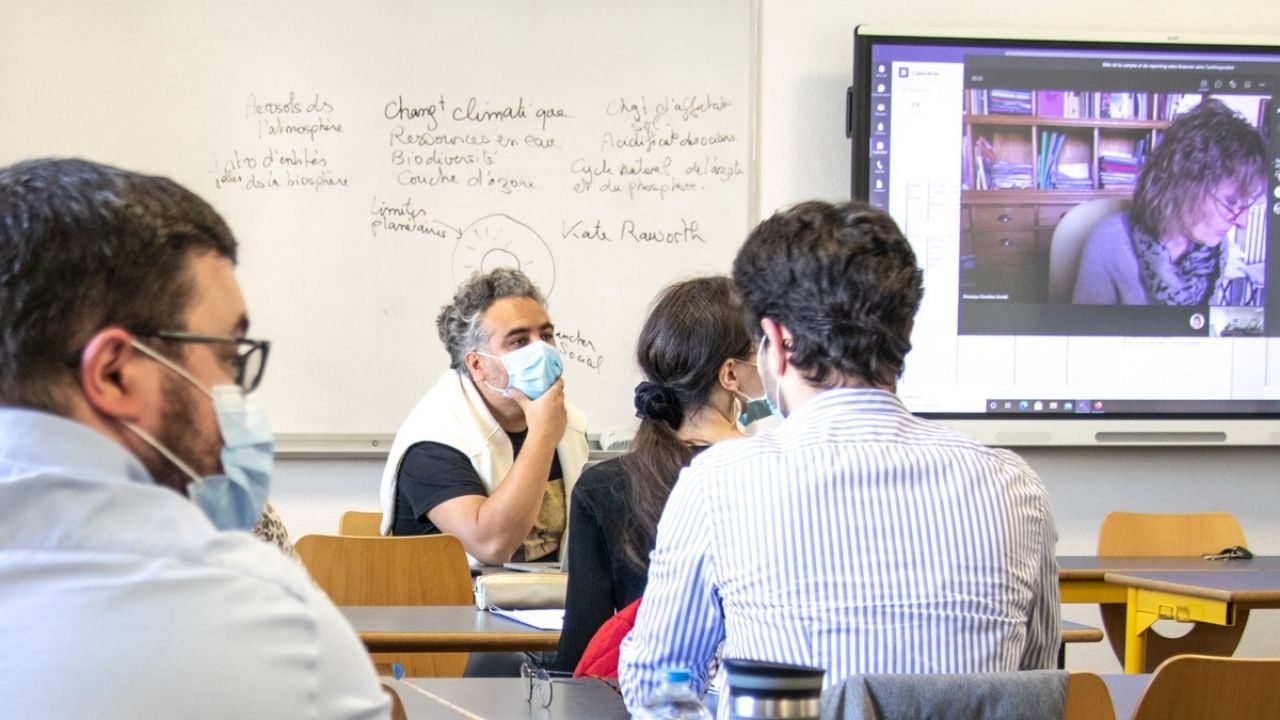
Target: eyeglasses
{"points": [[537, 684], [248, 364], [1233, 211]]}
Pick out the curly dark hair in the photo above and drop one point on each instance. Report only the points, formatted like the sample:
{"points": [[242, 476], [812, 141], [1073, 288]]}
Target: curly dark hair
{"points": [[458, 323], [844, 282], [84, 246], [1201, 149]]}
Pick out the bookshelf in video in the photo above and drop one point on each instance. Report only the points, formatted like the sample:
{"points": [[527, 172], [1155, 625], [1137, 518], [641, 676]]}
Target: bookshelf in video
{"points": [[1043, 136]]}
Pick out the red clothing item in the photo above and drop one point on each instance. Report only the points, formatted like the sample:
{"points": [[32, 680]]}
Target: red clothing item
{"points": [[600, 658]]}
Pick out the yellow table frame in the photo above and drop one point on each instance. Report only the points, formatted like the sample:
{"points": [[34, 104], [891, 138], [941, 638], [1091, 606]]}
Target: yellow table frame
{"points": [[1145, 607]]}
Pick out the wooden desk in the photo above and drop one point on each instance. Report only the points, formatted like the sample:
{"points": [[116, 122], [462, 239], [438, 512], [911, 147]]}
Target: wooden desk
{"points": [[443, 628], [1081, 578], [503, 699], [1074, 632], [463, 628], [1189, 596]]}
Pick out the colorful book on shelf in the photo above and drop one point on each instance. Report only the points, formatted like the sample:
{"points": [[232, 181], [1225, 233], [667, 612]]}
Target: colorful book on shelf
{"points": [[1007, 175], [1072, 104], [984, 157], [1059, 139], [1010, 101], [1118, 106], [1050, 103], [1051, 143], [978, 104], [1117, 169], [1057, 155], [1042, 160], [1072, 176], [1141, 148]]}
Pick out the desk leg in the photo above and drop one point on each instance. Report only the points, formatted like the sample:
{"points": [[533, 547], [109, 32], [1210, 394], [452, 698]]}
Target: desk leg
{"points": [[1135, 634]]}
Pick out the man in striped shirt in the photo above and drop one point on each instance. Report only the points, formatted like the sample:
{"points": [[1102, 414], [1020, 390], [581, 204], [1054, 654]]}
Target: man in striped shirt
{"points": [[854, 536]]}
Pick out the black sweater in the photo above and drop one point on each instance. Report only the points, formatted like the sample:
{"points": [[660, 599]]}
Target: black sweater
{"points": [[601, 581]]}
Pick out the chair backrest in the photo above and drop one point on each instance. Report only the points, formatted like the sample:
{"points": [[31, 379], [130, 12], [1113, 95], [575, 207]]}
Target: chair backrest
{"points": [[1068, 242], [416, 570], [1168, 534], [1087, 698], [1197, 687], [1171, 535], [360, 522]]}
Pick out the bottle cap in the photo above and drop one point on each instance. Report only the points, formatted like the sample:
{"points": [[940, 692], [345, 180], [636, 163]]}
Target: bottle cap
{"points": [[676, 675]]}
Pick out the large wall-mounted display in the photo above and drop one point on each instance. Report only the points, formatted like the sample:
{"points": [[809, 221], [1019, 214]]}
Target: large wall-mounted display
{"points": [[1097, 218]]}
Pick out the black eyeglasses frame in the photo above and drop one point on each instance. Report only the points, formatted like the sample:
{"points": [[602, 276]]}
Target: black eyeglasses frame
{"points": [[246, 347]]}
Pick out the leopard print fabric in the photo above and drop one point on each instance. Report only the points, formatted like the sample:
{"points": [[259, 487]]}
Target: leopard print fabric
{"points": [[270, 528]]}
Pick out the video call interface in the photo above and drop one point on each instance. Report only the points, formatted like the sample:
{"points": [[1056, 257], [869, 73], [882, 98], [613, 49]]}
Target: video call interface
{"points": [[1013, 167]]}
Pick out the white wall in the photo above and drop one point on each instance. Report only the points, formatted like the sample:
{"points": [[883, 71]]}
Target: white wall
{"points": [[806, 48]]}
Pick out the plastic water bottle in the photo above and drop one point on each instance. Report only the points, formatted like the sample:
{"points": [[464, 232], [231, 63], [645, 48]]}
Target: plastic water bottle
{"points": [[673, 700]]}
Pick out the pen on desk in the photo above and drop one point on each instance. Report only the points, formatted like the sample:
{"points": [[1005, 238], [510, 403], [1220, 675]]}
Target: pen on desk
{"points": [[460, 710]]}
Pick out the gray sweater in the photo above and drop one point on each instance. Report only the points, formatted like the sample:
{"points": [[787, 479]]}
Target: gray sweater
{"points": [[1109, 273]]}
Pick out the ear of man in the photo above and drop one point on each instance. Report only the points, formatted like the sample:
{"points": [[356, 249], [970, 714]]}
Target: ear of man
{"points": [[117, 381], [778, 337], [472, 362]]}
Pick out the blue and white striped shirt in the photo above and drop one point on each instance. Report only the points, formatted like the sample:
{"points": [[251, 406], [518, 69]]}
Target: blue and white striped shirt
{"points": [[854, 537]]}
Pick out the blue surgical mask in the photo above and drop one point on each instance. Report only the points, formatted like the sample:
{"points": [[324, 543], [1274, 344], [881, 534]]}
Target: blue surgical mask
{"points": [[752, 409], [233, 499], [532, 369], [775, 407], [236, 498], [755, 409]]}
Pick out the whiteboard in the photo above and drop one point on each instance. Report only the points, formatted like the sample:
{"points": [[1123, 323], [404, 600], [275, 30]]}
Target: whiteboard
{"points": [[370, 156]]}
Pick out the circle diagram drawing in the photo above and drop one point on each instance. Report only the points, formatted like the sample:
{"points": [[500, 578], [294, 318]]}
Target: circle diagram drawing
{"points": [[499, 240]]}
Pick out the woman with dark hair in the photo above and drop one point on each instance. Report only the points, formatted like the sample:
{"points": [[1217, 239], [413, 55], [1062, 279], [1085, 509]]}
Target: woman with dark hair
{"points": [[1197, 184], [698, 363]]}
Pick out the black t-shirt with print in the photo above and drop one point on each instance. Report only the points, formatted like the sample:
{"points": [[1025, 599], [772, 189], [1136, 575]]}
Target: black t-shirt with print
{"points": [[432, 473]]}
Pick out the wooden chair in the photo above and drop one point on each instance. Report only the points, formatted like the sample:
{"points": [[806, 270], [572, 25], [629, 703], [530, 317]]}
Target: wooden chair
{"points": [[417, 570], [1067, 243], [1199, 687], [397, 707], [1171, 535], [359, 522], [1087, 698]]}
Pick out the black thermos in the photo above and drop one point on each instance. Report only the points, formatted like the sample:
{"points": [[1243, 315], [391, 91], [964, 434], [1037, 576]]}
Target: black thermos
{"points": [[773, 691]]}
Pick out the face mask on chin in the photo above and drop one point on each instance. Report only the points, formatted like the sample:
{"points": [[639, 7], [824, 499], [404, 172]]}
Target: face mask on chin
{"points": [[754, 409], [233, 499], [532, 369], [750, 409]]}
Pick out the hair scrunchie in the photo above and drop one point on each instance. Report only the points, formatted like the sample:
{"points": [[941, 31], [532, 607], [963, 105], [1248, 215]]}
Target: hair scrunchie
{"points": [[659, 403]]}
